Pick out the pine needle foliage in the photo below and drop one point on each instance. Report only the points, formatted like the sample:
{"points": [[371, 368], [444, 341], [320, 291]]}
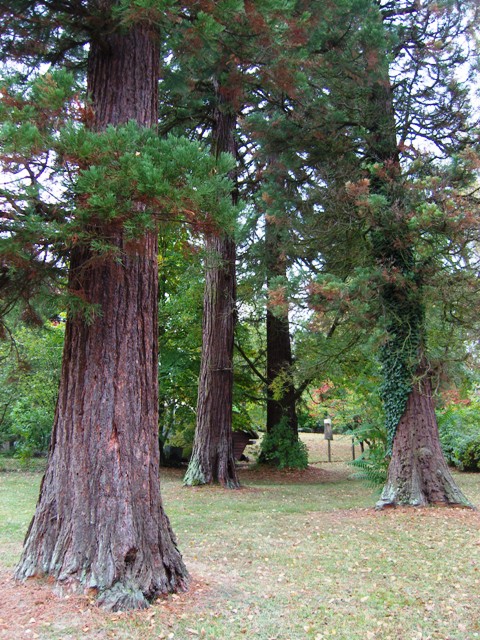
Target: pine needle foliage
{"points": [[65, 185]]}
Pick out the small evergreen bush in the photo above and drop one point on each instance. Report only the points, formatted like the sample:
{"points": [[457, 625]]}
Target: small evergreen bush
{"points": [[470, 456], [282, 449]]}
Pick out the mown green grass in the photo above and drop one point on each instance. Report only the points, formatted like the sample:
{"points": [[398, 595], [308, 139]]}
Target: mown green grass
{"points": [[289, 560], [18, 494]]}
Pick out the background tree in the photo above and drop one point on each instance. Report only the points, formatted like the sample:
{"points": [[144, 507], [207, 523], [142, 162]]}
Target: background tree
{"points": [[212, 458], [235, 39], [405, 251], [31, 362], [297, 134]]}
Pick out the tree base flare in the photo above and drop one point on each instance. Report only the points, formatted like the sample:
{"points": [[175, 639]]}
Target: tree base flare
{"points": [[122, 597], [418, 475], [196, 476], [402, 496]]}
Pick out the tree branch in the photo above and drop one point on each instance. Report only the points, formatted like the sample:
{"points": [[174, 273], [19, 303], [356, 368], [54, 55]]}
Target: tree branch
{"points": [[251, 364]]}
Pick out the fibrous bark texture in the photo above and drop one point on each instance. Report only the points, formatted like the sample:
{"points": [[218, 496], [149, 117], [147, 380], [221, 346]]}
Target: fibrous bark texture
{"points": [[99, 523], [212, 457], [418, 474]]}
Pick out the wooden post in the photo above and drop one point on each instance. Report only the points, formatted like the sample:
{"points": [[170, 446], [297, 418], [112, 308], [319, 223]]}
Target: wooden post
{"points": [[328, 435], [353, 448]]}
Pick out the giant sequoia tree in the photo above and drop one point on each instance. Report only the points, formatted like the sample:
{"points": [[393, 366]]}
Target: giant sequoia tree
{"points": [[236, 41], [298, 133], [99, 522], [212, 457], [408, 250]]}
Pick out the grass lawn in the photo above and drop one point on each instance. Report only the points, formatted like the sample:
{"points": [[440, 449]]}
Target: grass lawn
{"points": [[290, 556]]}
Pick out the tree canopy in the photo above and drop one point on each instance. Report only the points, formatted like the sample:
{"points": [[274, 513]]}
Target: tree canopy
{"points": [[316, 162]]}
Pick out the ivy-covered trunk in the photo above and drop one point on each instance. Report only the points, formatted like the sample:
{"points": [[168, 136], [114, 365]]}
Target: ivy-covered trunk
{"points": [[418, 473], [212, 458], [99, 523]]}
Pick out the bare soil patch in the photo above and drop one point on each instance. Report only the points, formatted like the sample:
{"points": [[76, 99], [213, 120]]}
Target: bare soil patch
{"points": [[33, 610], [28, 609]]}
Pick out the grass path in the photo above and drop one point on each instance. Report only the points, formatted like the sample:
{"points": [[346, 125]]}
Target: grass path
{"points": [[290, 557]]}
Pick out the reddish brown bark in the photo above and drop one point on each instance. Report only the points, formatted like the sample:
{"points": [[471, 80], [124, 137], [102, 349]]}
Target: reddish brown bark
{"points": [[212, 457], [418, 474], [99, 522]]}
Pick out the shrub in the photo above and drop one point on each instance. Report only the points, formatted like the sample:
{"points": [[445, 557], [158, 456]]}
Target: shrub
{"points": [[460, 436], [282, 449], [470, 456], [28, 388]]}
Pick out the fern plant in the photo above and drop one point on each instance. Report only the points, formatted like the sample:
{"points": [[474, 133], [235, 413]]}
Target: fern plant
{"points": [[372, 465]]}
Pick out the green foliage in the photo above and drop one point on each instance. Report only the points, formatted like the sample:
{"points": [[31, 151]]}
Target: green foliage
{"points": [[180, 334], [28, 388], [283, 449], [350, 395], [470, 456], [372, 465], [70, 184], [460, 435], [127, 164], [396, 386], [306, 422]]}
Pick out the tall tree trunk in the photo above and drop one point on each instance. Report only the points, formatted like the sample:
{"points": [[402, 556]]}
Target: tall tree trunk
{"points": [[418, 473], [281, 423], [99, 523], [279, 352], [212, 457]]}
